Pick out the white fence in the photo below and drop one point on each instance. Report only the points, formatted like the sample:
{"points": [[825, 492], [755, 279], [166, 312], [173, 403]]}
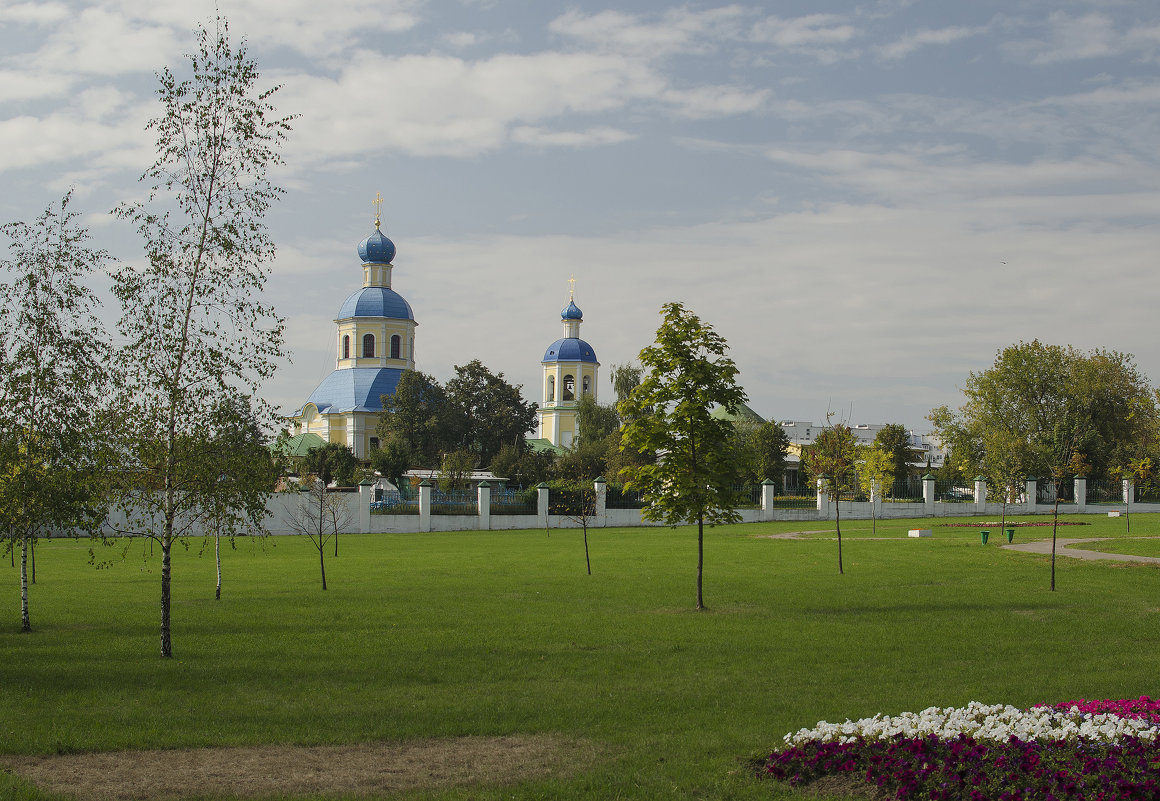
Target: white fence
{"points": [[357, 510]]}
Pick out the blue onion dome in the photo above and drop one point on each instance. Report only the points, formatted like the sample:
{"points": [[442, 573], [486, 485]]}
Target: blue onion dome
{"points": [[569, 350], [572, 312], [376, 248]]}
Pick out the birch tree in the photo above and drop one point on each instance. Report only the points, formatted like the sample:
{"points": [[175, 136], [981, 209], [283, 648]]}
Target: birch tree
{"points": [[198, 333], [53, 377]]}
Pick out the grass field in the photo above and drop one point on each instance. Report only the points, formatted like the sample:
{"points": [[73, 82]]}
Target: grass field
{"points": [[491, 634]]}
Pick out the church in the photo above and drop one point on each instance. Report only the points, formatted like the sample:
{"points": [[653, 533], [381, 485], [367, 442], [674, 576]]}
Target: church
{"points": [[376, 343]]}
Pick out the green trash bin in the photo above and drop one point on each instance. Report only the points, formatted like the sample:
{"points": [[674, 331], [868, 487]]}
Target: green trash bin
{"points": [[1010, 534], [984, 534]]}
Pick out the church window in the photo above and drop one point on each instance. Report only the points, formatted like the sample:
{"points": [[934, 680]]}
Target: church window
{"points": [[369, 346], [550, 395], [396, 346], [569, 388], [346, 347], [587, 384]]}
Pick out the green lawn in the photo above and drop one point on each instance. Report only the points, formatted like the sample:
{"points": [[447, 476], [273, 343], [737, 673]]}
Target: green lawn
{"points": [[491, 633]]}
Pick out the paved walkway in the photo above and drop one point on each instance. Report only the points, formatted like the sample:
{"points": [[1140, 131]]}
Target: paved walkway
{"points": [[1062, 549]]}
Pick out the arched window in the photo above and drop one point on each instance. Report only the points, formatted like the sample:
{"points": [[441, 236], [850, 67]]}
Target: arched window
{"points": [[346, 347], [396, 346], [569, 388], [550, 393], [369, 346], [587, 384]]}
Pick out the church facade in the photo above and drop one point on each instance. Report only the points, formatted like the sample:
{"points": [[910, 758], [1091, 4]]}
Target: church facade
{"points": [[375, 344]]}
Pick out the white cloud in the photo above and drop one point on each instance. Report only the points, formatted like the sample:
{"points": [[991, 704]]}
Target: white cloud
{"points": [[444, 105], [34, 13], [28, 85], [678, 30], [102, 42], [806, 32], [542, 137], [907, 44]]}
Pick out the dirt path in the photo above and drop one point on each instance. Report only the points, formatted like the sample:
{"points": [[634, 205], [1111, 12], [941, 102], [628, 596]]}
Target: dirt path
{"points": [[1062, 549], [371, 769]]}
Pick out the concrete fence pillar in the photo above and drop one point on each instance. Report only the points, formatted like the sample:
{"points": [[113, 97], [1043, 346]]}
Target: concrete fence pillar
{"points": [[1129, 494], [980, 493], [366, 494], [928, 495], [875, 498], [1032, 494], [1080, 493], [823, 498], [601, 510], [483, 498], [768, 494], [424, 505], [542, 493]]}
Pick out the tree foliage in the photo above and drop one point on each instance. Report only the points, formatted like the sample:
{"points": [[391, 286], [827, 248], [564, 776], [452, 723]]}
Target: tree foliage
{"points": [[760, 451], [1055, 401], [874, 466], [477, 411], [196, 330], [333, 463], [894, 439], [53, 382], [687, 374], [494, 413]]}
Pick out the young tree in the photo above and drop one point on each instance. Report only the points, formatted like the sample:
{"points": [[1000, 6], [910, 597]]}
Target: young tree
{"points": [[833, 455], [1005, 458], [53, 381], [392, 459], [875, 470], [669, 416], [333, 462], [576, 502], [196, 330], [320, 516], [246, 474]]}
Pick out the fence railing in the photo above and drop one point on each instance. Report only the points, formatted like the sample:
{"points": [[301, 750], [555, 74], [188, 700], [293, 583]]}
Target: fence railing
{"points": [[950, 492], [514, 502], [454, 502], [796, 498], [905, 490], [748, 496], [394, 503], [617, 497]]}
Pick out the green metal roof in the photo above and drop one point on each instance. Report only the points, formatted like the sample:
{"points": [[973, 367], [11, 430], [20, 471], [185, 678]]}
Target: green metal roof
{"points": [[300, 445]]}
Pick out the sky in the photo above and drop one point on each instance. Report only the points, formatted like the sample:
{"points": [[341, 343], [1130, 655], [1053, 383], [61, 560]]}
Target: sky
{"points": [[867, 200]]}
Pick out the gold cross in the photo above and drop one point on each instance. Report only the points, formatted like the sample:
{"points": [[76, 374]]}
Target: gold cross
{"points": [[378, 204], [572, 288]]}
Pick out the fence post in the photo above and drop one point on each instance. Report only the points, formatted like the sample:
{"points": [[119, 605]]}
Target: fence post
{"points": [[542, 503], [928, 495], [875, 498], [768, 493], [1032, 494], [483, 500], [366, 491], [823, 499], [601, 510], [1129, 494], [1080, 493], [980, 494], [424, 505]]}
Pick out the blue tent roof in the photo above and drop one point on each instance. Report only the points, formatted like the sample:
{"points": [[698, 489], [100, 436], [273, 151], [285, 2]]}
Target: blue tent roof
{"points": [[376, 301], [357, 389], [569, 350]]}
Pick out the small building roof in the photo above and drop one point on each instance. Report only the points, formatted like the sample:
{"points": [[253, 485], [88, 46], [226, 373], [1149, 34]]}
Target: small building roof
{"points": [[298, 445]]}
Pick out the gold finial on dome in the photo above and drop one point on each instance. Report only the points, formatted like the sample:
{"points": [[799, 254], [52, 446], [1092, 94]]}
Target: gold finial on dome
{"points": [[378, 204], [572, 288]]}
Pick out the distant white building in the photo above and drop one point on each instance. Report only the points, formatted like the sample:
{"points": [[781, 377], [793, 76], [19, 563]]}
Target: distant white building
{"points": [[801, 434]]}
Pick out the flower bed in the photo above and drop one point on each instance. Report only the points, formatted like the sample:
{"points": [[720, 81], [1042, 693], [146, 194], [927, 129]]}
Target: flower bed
{"points": [[1075, 750]]}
